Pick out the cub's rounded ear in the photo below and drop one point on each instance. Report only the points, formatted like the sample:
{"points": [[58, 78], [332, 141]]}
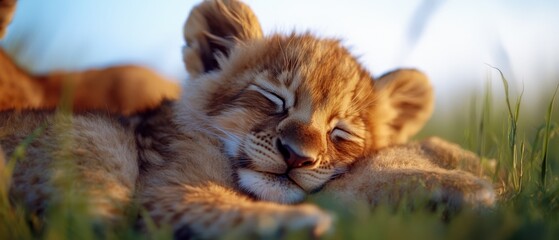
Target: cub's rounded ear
{"points": [[212, 29], [405, 103]]}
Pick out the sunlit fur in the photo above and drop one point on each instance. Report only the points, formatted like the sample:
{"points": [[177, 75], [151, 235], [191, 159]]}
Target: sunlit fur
{"points": [[432, 169], [220, 158], [122, 89]]}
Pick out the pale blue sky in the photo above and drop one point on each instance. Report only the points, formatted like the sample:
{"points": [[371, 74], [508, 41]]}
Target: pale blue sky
{"points": [[521, 37]]}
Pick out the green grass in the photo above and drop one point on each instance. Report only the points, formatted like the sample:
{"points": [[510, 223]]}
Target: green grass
{"points": [[524, 144]]}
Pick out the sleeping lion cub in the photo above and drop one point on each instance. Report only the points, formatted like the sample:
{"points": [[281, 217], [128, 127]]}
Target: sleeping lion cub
{"points": [[262, 123]]}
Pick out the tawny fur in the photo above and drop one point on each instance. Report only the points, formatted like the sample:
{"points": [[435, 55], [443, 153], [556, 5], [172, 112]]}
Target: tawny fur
{"points": [[123, 89], [263, 122], [216, 26], [433, 169], [96, 148]]}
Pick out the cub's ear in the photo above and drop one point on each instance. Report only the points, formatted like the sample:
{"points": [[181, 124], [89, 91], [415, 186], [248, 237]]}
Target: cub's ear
{"points": [[404, 104], [212, 29]]}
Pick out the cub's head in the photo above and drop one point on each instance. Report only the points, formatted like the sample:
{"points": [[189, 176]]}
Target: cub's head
{"points": [[292, 111]]}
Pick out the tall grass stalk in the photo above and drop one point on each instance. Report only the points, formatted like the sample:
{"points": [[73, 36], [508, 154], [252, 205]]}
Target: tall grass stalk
{"points": [[544, 167], [484, 120], [513, 115]]}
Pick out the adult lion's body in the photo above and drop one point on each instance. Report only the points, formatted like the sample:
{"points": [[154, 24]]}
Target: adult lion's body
{"points": [[125, 89], [262, 123]]}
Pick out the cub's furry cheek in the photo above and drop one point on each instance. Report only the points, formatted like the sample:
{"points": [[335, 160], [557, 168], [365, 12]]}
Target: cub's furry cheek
{"points": [[232, 126], [237, 121], [240, 117], [270, 187], [263, 154]]}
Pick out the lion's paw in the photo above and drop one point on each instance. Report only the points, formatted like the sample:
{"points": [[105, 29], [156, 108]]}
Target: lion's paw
{"points": [[460, 189], [261, 221], [295, 218]]}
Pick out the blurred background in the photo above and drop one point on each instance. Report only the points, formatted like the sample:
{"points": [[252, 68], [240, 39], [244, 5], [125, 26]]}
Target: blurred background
{"points": [[454, 42]]}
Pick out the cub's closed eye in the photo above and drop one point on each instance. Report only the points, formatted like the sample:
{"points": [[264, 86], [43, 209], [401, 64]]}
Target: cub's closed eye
{"points": [[339, 133], [273, 97]]}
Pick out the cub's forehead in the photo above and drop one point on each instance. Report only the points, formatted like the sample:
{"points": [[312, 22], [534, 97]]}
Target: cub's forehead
{"points": [[314, 59], [321, 67], [318, 72], [324, 68], [320, 59], [313, 74]]}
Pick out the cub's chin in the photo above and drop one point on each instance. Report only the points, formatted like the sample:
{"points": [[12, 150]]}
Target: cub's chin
{"points": [[270, 187]]}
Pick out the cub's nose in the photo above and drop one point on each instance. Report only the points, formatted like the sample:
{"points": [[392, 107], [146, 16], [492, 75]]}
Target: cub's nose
{"points": [[292, 158]]}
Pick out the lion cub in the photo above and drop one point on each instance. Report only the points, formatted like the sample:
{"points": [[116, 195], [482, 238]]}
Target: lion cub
{"points": [[262, 123]]}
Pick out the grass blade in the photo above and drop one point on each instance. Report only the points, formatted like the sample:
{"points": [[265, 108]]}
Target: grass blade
{"points": [[546, 139]]}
